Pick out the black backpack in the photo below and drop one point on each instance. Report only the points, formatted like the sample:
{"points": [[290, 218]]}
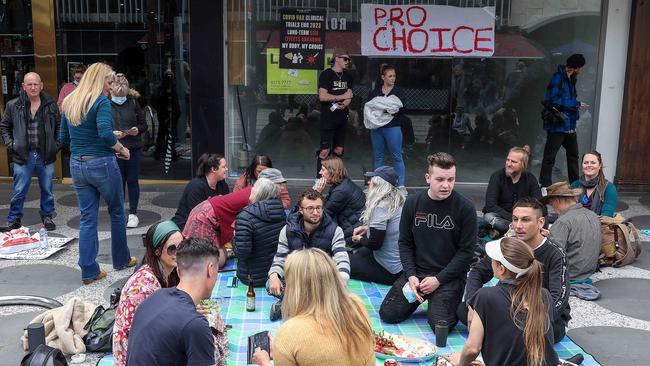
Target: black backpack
{"points": [[100, 326], [44, 356]]}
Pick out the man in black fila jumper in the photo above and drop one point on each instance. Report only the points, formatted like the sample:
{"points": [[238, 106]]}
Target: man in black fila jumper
{"points": [[436, 246]]}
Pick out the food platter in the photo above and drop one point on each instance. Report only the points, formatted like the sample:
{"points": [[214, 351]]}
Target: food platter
{"points": [[403, 348]]}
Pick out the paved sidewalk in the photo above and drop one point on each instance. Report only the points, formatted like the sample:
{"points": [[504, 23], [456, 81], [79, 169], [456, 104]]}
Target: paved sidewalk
{"points": [[615, 329]]}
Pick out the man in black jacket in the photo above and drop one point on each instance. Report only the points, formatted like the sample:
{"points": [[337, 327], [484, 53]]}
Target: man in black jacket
{"points": [[507, 186], [528, 221], [437, 238], [30, 130]]}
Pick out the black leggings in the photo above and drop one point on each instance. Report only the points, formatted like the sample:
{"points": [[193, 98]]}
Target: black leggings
{"points": [[364, 267]]}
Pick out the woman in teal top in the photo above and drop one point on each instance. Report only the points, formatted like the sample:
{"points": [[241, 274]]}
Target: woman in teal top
{"points": [[598, 194], [87, 126]]}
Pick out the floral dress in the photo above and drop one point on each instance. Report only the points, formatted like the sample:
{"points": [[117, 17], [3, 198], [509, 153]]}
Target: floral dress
{"points": [[136, 289]]}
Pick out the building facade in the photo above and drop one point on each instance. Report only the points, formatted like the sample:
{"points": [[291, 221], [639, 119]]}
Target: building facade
{"points": [[210, 71]]}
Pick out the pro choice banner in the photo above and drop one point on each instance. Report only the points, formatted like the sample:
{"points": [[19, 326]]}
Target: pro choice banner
{"points": [[426, 30]]}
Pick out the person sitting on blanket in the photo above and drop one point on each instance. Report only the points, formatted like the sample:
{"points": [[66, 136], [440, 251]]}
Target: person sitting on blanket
{"points": [[527, 222], [326, 325], [214, 218], [158, 270], [256, 232], [576, 230], [377, 258], [436, 246], [509, 321], [308, 227], [168, 328]]}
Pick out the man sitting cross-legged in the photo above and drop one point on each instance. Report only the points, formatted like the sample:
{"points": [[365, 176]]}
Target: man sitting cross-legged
{"points": [[167, 329], [506, 186], [308, 227], [527, 222]]}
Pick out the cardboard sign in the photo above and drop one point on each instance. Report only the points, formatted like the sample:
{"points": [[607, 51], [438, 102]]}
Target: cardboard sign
{"points": [[426, 30], [302, 38]]}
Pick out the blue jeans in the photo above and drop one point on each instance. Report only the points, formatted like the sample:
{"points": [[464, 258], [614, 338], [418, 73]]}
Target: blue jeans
{"points": [[392, 136], [130, 170], [92, 178], [23, 178]]}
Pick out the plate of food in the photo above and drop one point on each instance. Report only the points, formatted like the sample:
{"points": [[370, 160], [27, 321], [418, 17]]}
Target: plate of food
{"points": [[403, 348]]}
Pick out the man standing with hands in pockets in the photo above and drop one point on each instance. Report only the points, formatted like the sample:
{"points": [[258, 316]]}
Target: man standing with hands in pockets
{"points": [[436, 246]]}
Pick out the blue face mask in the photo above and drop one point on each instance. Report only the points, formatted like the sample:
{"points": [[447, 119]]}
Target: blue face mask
{"points": [[118, 100]]}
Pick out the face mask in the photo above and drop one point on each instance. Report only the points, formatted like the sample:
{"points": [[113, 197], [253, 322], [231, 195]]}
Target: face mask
{"points": [[118, 100]]}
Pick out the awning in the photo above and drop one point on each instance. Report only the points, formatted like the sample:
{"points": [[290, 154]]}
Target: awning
{"points": [[506, 45]]}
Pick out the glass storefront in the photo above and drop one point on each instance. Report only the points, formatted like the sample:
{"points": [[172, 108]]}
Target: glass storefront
{"points": [[500, 95], [151, 47], [16, 46]]}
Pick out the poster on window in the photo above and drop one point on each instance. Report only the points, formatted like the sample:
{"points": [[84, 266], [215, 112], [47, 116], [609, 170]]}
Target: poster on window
{"points": [[302, 38], [290, 81], [427, 30]]}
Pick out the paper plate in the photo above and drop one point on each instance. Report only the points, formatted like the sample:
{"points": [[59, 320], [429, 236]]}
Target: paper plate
{"points": [[421, 349]]}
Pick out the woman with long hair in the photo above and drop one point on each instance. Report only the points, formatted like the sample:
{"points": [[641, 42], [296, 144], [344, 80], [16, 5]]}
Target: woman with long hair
{"points": [[259, 163], [511, 322], [325, 325], [210, 181], [377, 260], [158, 270], [129, 127], [345, 200], [87, 126], [598, 194], [256, 232], [390, 134]]}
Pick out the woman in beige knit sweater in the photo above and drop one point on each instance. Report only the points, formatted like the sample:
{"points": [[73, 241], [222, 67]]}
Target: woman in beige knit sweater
{"points": [[326, 324]]}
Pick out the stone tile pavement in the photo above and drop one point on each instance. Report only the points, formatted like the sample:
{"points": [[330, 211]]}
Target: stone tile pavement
{"points": [[615, 329]]}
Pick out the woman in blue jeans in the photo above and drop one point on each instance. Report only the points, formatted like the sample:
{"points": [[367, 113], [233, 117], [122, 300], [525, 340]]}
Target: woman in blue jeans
{"points": [[391, 133], [87, 126]]}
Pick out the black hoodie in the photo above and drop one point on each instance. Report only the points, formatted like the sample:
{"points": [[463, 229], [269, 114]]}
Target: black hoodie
{"points": [[256, 239], [13, 128]]}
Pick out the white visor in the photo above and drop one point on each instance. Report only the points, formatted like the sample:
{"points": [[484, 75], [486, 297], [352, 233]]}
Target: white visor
{"points": [[493, 250]]}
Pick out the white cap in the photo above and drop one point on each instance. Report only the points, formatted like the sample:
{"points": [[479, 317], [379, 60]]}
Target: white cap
{"points": [[493, 250]]}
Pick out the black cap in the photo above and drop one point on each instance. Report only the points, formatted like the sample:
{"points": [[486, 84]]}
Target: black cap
{"points": [[386, 173]]}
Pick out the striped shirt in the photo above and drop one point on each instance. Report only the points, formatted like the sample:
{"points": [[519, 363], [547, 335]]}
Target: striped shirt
{"points": [[32, 128]]}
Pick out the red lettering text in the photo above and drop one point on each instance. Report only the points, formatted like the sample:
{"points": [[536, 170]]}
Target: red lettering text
{"points": [[478, 39], [423, 16], [397, 18], [402, 39], [377, 16], [410, 40], [453, 38], [374, 39], [440, 41]]}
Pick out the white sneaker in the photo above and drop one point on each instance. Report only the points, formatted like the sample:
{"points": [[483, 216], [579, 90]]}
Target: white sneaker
{"points": [[133, 221]]}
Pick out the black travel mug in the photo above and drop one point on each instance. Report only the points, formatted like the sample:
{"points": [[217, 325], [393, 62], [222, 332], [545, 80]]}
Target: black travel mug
{"points": [[441, 333], [35, 335]]}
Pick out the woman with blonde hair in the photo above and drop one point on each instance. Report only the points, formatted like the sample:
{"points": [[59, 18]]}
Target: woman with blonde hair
{"points": [[325, 325], [377, 259], [511, 322], [344, 201], [129, 127], [87, 126]]}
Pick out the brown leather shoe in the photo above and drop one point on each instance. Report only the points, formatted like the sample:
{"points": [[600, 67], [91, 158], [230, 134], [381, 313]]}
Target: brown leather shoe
{"points": [[131, 263], [101, 275]]}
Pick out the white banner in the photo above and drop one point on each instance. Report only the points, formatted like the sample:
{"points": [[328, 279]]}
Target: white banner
{"points": [[426, 30]]}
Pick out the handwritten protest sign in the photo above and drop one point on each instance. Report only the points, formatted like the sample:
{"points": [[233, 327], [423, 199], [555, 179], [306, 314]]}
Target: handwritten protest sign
{"points": [[426, 30]]}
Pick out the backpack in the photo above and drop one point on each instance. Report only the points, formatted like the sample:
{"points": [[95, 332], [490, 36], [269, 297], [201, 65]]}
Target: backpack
{"points": [[100, 326], [620, 243], [44, 356]]}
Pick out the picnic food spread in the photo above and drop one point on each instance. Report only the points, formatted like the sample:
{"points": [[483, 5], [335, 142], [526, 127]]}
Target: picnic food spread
{"points": [[404, 348]]}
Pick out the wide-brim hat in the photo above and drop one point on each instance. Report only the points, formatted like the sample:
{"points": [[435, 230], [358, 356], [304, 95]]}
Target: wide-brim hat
{"points": [[560, 189]]}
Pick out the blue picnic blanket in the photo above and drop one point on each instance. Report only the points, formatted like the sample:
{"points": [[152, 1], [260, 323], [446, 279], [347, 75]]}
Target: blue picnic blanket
{"points": [[245, 323]]}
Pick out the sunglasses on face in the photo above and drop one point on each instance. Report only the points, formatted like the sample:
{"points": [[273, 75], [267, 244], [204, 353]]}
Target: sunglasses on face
{"points": [[171, 250], [345, 58]]}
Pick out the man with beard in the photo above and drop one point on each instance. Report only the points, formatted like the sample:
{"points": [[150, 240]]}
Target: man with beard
{"points": [[308, 227], [528, 223], [507, 186]]}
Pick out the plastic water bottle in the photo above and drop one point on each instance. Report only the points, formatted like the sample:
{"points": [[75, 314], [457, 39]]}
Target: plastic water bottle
{"points": [[43, 234]]}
